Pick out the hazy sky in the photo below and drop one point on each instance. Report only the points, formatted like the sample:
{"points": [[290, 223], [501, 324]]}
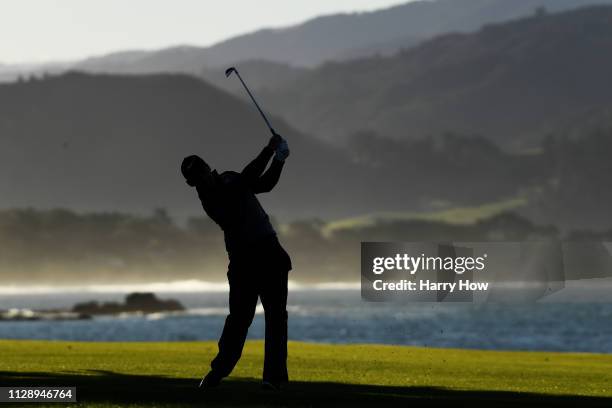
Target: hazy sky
{"points": [[42, 30]]}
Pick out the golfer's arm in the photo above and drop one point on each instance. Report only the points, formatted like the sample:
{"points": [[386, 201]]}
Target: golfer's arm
{"points": [[269, 179], [254, 169]]}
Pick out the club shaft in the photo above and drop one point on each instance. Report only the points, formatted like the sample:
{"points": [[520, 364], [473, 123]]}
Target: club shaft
{"points": [[263, 115]]}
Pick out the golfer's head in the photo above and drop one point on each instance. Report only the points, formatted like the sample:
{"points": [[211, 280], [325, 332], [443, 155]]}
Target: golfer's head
{"points": [[196, 171]]}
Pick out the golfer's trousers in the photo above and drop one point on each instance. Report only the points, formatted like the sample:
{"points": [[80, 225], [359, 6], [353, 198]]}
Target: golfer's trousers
{"points": [[261, 271]]}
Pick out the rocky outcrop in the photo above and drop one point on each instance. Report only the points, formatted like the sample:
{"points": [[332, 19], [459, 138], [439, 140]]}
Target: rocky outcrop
{"points": [[134, 302]]}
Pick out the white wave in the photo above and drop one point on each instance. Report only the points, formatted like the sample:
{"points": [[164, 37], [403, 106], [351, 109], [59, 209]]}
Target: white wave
{"points": [[214, 311], [325, 286], [183, 286], [173, 287], [208, 311], [203, 311]]}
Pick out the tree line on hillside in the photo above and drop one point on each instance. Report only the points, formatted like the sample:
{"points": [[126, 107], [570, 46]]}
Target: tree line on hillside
{"points": [[62, 246], [565, 180]]}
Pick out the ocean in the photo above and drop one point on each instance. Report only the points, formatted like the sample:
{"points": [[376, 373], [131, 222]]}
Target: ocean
{"points": [[322, 313]]}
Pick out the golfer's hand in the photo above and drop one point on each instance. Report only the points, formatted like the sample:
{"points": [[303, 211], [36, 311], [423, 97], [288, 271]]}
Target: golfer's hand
{"points": [[275, 141], [282, 151]]}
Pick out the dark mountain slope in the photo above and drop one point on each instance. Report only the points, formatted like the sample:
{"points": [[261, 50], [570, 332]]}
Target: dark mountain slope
{"points": [[116, 143], [510, 82]]}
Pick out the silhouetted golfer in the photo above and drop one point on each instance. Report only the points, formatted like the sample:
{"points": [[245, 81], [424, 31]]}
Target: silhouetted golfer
{"points": [[258, 264]]}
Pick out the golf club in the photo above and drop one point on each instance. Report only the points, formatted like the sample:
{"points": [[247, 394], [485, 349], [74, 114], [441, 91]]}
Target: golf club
{"points": [[232, 70]]}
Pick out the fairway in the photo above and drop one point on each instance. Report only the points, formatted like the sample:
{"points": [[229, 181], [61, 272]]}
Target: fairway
{"points": [[166, 375]]}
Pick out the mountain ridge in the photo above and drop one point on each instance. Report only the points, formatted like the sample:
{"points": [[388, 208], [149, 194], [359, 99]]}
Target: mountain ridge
{"points": [[516, 80], [342, 36]]}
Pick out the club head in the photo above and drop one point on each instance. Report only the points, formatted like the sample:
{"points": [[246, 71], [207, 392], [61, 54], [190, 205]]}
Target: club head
{"points": [[230, 71]]}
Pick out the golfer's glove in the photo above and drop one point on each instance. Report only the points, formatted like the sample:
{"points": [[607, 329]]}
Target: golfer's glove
{"points": [[275, 141], [282, 151]]}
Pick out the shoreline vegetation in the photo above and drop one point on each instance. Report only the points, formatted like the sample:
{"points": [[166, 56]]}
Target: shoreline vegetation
{"points": [[166, 374]]}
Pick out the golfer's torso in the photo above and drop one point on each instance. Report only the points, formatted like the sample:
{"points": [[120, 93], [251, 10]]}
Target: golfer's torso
{"points": [[235, 208]]}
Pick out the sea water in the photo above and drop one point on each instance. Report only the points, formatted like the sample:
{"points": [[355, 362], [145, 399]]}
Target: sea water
{"points": [[324, 313]]}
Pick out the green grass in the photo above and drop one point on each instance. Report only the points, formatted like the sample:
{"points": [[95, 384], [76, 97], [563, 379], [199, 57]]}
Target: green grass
{"points": [[165, 374]]}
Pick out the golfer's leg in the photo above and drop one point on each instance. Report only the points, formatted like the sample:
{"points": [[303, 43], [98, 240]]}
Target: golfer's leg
{"points": [[242, 304], [274, 300]]}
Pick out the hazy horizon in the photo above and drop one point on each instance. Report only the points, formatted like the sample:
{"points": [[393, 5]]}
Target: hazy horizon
{"points": [[79, 29]]}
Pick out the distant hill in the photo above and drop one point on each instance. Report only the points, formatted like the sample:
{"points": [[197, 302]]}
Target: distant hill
{"points": [[15, 72], [335, 37], [511, 82], [116, 143], [260, 75]]}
